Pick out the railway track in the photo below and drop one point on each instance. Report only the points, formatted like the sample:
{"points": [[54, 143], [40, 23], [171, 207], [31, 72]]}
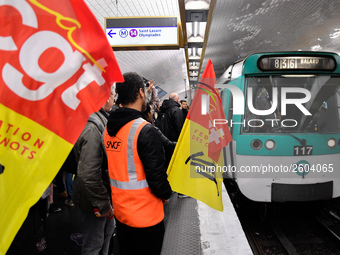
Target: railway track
{"points": [[291, 228], [330, 220]]}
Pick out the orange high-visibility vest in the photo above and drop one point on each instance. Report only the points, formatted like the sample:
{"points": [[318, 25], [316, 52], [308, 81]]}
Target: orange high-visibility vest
{"points": [[133, 202]]}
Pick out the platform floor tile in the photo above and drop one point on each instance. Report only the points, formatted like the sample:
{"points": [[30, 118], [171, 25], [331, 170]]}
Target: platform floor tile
{"points": [[182, 233]]}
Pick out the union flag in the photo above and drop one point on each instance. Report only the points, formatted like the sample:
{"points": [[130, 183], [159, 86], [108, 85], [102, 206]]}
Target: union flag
{"points": [[57, 68], [196, 166]]}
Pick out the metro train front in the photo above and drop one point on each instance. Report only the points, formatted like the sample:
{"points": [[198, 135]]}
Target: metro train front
{"points": [[283, 111]]}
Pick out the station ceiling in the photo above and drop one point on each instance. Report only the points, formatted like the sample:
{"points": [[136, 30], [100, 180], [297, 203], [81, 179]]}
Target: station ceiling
{"points": [[232, 29]]}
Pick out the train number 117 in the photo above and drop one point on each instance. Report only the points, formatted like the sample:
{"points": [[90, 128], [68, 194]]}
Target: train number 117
{"points": [[303, 150]]}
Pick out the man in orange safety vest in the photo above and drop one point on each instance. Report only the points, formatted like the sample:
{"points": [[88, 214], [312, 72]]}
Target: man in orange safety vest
{"points": [[137, 171]]}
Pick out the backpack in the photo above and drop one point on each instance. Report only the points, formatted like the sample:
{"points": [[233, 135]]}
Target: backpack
{"points": [[162, 123], [70, 165]]}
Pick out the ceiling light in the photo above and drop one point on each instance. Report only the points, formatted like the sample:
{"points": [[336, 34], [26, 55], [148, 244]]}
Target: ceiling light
{"points": [[195, 28]]}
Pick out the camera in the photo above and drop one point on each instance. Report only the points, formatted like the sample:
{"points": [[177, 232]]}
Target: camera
{"points": [[146, 82]]}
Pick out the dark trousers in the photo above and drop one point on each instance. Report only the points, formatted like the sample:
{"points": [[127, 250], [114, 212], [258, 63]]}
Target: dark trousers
{"points": [[134, 241], [31, 238]]}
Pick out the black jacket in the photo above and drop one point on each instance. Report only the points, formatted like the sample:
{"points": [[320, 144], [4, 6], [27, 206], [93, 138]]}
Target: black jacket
{"points": [[150, 150], [168, 147], [170, 119]]}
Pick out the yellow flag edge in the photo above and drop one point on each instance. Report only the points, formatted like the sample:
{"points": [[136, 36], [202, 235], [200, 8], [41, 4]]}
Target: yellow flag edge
{"points": [[178, 186], [24, 180]]}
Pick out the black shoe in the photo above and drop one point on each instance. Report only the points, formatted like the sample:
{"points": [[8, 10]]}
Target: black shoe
{"points": [[54, 208]]}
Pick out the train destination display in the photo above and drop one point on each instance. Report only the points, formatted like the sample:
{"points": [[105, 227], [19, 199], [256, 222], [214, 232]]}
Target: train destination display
{"points": [[296, 63]]}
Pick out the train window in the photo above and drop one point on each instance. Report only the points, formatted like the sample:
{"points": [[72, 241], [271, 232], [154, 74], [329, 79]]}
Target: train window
{"points": [[292, 103]]}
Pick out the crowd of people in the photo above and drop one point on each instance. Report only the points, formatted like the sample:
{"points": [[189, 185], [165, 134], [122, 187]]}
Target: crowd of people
{"points": [[121, 157]]}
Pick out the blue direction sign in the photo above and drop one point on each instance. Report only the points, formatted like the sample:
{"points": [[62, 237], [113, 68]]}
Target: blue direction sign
{"points": [[142, 32], [110, 33]]}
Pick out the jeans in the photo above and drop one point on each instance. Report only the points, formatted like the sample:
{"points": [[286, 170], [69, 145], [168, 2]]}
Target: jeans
{"points": [[69, 184], [97, 233]]}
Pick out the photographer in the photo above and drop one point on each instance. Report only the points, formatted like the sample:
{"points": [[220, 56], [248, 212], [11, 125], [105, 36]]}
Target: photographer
{"points": [[151, 93]]}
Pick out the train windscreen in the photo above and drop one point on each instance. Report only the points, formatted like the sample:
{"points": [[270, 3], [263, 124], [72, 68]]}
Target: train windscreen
{"points": [[292, 103]]}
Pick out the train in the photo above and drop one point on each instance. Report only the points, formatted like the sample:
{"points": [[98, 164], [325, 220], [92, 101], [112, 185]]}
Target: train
{"points": [[283, 112]]}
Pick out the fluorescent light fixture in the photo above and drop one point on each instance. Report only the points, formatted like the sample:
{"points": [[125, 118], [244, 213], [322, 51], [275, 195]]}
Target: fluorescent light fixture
{"points": [[195, 28]]}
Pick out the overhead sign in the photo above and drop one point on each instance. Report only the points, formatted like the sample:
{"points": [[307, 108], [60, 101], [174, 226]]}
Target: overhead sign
{"points": [[136, 32], [161, 92]]}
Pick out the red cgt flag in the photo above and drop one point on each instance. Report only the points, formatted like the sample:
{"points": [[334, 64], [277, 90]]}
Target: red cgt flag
{"points": [[208, 108], [57, 68]]}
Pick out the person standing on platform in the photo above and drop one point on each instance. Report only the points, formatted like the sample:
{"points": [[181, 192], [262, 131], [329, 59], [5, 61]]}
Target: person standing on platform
{"points": [[168, 145], [170, 118], [137, 172], [184, 108], [91, 189], [151, 93]]}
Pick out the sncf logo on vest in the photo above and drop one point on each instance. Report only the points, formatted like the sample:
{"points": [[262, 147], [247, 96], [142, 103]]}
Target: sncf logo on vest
{"points": [[114, 145]]}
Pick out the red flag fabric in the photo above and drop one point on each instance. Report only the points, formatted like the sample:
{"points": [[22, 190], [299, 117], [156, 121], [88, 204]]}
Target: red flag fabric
{"points": [[54, 57], [207, 109], [57, 68]]}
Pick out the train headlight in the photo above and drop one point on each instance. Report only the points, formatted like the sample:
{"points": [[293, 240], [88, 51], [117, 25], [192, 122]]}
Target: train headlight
{"points": [[331, 143], [256, 144], [270, 145]]}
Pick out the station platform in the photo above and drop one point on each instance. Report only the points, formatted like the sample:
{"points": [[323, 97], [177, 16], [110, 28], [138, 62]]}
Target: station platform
{"points": [[191, 227]]}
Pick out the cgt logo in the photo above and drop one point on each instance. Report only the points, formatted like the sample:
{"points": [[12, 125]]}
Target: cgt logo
{"points": [[114, 145], [29, 57]]}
